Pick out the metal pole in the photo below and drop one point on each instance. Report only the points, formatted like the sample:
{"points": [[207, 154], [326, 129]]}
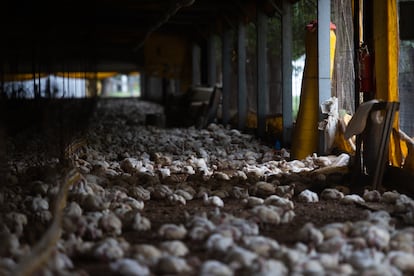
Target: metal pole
{"points": [[324, 65]]}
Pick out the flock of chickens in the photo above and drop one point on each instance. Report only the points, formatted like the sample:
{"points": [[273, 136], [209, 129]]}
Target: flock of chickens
{"points": [[56, 220]]}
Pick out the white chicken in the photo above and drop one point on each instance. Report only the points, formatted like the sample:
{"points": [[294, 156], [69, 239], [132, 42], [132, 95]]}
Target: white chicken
{"points": [[212, 200]]}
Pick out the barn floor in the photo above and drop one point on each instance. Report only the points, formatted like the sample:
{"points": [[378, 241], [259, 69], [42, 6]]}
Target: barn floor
{"points": [[134, 185]]}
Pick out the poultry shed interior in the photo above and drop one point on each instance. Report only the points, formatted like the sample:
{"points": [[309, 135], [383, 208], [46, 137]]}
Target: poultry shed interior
{"points": [[123, 150], [126, 198]]}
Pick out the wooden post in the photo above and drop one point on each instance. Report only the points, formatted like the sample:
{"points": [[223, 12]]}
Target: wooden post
{"points": [[241, 75], [211, 61], [195, 59], [287, 71], [262, 93], [226, 63]]}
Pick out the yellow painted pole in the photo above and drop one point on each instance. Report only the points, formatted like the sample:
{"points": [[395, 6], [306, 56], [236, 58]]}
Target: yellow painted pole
{"points": [[386, 49], [305, 140]]}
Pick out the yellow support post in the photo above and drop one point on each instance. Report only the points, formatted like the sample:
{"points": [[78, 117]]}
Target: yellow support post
{"points": [[305, 140], [386, 49]]}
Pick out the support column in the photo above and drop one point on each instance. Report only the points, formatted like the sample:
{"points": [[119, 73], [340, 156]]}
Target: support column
{"points": [[142, 84], [287, 71], [324, 65], [241, 76], [211, 61], [195, 59], [262, 89], [204, 63], [226, 63]]}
